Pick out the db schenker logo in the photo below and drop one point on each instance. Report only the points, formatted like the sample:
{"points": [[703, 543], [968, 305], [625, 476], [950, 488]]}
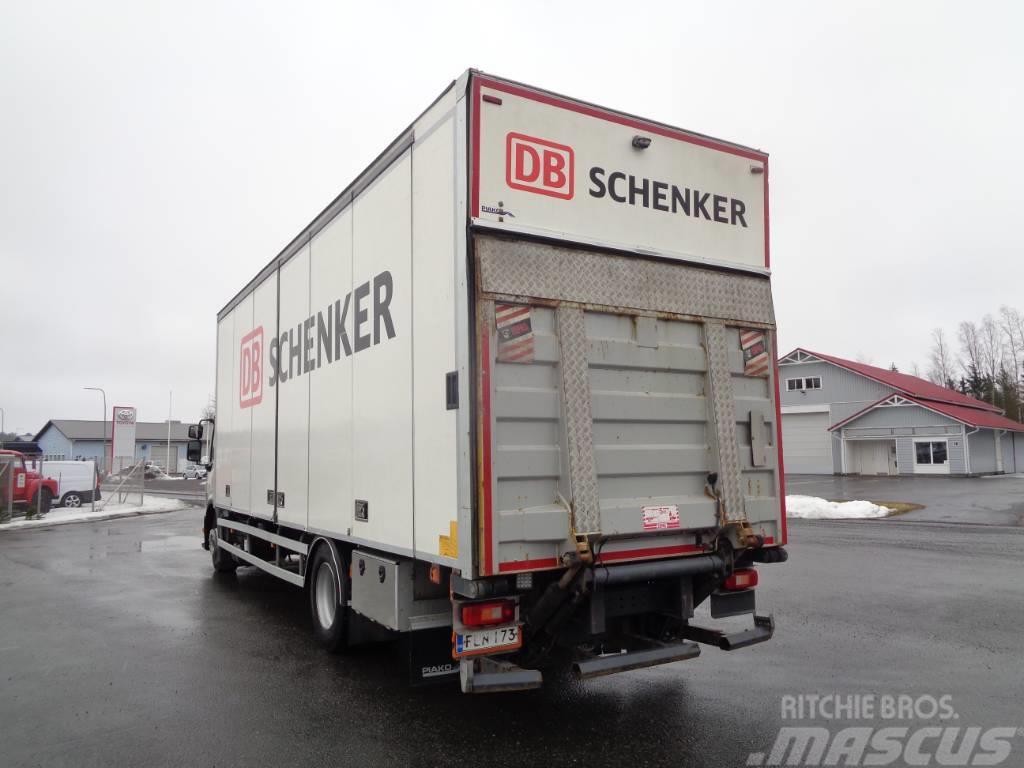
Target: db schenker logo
{"points": [[538, 165], [250, 374]]}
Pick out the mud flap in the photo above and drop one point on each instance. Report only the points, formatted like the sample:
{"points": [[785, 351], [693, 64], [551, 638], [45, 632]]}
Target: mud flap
{"points": [[725, 604], [430, 657]]}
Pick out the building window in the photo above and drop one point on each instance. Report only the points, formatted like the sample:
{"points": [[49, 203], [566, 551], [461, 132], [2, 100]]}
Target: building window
{"points": [[930, 453], [802, 385]]}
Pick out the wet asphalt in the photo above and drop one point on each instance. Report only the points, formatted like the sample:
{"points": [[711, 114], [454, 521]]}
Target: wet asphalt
{"points": [[118, 646]]}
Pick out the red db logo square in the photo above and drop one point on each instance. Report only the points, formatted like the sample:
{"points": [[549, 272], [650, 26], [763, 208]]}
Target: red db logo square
{"points": [[538, 165], [250, 374]]}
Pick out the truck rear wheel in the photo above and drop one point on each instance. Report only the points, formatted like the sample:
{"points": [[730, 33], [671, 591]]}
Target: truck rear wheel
{"points": [[223, 561], [328, 598]]}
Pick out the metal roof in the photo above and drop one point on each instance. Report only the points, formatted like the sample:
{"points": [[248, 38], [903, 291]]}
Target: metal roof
{"points": [[972, 417], [145, 431], [903, 382]]}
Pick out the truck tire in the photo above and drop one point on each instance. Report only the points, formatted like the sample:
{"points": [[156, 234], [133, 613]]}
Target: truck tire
{"points": [[71, 499], [223, 561], [40, 505], [328, 598]]}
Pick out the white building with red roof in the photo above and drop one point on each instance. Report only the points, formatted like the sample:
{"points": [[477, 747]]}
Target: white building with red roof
{"points": [[844, 417]]}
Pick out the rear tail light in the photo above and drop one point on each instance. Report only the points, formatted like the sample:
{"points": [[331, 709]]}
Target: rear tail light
{"points": [[486, 614], [744, 578]]}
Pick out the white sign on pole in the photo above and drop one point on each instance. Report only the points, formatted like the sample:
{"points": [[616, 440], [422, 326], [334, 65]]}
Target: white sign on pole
{"points": [[122, 447]]}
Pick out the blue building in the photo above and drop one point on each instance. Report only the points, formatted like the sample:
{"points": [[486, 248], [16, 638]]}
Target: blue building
{"points": [[850, 418], [69, 439]]}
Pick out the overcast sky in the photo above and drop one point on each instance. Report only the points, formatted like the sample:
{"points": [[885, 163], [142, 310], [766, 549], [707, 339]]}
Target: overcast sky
{"points": [[155, 156]]}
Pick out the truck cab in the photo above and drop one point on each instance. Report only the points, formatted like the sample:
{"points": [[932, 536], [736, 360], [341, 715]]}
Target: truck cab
{"points": [[23, 487]]}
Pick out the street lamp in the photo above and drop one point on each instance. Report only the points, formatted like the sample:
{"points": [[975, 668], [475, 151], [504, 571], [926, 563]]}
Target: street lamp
{"points": [[104, 440]]}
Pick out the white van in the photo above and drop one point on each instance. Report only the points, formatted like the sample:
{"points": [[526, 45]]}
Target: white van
{"points": [[77, 481]]}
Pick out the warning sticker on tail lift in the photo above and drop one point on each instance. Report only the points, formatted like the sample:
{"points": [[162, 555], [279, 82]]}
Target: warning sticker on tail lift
{"points": [[661, 518]]}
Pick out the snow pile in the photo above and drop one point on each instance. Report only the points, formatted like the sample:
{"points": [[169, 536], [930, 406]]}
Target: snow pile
{"points": [[60, 515], [813, 508]]}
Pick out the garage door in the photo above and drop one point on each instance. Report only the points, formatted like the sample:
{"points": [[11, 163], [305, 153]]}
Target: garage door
{"points": [[806, 443], [158, 455]]}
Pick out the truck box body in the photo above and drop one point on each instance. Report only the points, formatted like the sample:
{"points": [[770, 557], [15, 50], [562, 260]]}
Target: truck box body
{"points": [[353, 330], [529, 324]]}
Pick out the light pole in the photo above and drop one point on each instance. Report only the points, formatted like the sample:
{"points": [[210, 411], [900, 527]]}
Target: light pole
{"points": [[104, 440], [3, 418], [167, 461]]}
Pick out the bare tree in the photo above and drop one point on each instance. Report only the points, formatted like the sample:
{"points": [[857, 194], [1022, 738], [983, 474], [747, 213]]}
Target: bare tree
{"points": [[991, 348], [941, 364], [210, 409], [970, 347], [915, 370], [1011, 324]]}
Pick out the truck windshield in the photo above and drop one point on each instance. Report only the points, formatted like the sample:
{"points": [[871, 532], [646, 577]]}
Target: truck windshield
{"points": [[9, 460]]}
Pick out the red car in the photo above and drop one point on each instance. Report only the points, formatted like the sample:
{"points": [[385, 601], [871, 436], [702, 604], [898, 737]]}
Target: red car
{"points": [[30, 489]]}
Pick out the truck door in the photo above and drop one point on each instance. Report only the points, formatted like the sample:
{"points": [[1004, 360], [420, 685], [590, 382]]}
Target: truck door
{"points": [[630, 401], [15, 470]]}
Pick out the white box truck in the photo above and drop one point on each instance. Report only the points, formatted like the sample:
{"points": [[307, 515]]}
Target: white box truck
{"points": [[512, 397]]}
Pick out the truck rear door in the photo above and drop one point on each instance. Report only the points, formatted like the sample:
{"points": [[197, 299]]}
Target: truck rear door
{"points": [[624, 333], [629, 400]]}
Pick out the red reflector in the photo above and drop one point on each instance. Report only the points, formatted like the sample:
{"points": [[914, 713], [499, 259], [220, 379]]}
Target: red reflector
{"points": [[485, 614], [745, 578], [491, 99]]}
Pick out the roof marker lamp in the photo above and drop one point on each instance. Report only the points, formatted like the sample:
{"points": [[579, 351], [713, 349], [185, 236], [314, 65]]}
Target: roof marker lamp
{"points": [[641, 142]]}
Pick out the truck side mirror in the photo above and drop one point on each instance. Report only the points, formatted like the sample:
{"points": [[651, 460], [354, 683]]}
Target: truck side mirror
{"points": [[195, 431], [194, 452]]}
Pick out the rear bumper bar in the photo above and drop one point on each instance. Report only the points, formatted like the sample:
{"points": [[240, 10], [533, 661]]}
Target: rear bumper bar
{"points": [[598, 666], [486, 675]]}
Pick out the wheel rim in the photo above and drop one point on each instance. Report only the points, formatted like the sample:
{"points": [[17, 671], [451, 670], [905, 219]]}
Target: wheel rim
{"points": [[326, 595], [73, 501]]}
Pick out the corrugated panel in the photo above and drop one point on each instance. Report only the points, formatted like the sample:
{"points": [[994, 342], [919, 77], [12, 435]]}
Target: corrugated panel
{"points": [[901, 416], [957, 463], [983, 452], [1007, 441], [905, 455], [954, 451], [527, 410], [846, 391], [613, 423], [650, 420], [806, 442], [529, 269]]}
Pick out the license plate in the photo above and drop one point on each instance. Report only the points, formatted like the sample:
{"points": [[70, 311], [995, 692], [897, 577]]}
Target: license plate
{"points": [[488, 641]]}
